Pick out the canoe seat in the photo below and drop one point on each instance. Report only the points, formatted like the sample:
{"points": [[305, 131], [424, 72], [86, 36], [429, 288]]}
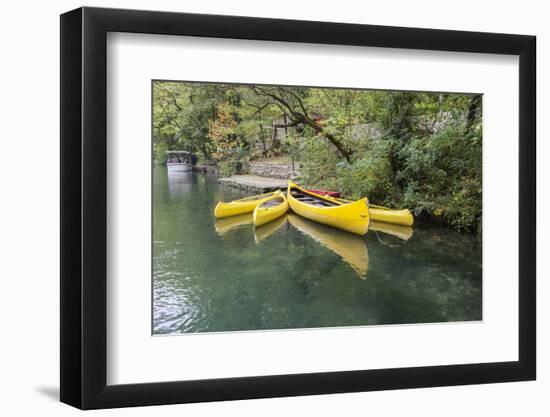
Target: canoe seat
{"points": [[312, 200], [271, 203]]}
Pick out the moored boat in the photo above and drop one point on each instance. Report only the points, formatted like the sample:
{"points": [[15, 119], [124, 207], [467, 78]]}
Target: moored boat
{"points": [[242, 206], [350, 216], [387, 215], [270, 209], [180, 161], [178, 167]]}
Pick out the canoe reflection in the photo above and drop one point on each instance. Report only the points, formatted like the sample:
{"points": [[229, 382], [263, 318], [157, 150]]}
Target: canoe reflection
{"points": [[351, 248], [262, 232], [399, 231], [228, 223]]}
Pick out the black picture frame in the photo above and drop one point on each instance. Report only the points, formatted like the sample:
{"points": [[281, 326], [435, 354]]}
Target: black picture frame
{"points": [[84, 207]]}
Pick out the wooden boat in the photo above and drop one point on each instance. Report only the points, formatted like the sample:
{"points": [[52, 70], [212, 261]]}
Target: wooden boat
{"points": [[350, 216], [270, 209], [387, 215], [351, 248], [397, 230], [335, 194], [263, 232], [242, 206]]}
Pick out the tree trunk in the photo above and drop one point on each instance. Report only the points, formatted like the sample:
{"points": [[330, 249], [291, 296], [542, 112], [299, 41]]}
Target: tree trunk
{"points": [[473, 110], [344, 151], [204, 152], [275, 143]]}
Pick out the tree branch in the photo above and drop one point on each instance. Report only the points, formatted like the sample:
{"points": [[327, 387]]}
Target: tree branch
{"points": [[282, 125], [300, 102], [295, 116], [172, 96]]}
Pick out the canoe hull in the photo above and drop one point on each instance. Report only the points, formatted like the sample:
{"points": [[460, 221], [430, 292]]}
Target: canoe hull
{"points": [[401, 217], [263, 215], [352, 217], [243, 206], [386, 215], [234, 208]]}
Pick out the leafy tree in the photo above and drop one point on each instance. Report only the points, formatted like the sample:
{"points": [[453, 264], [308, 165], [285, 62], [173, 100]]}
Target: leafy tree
{"points": [[402, 149]]}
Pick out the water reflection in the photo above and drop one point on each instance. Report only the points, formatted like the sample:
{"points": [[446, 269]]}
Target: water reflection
{"points": [[179, 182], [212, 276], [268, 229], [397, 230], [351, 248], [227, 224]]}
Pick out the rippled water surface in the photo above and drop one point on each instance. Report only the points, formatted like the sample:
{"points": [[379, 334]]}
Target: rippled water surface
{"points": [[211, 276]]}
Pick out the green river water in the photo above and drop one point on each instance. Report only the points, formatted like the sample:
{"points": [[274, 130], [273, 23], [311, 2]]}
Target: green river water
{"points": [[218, 276]]}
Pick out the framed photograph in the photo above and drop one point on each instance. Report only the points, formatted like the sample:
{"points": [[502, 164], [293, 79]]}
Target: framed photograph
{"points": [[257, 208]]}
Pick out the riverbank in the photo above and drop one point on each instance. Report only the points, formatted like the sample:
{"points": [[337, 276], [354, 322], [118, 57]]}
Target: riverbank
{"points": [[265, 175]]}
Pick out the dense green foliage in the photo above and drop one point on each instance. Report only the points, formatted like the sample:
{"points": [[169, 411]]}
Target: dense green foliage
{"points": [[422, 151]]}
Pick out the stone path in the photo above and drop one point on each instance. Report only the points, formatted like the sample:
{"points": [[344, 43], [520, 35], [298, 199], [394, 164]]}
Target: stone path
{"points": [[281, 170], [253, 183]]}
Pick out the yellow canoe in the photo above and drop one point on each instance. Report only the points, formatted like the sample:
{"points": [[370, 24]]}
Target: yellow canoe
{"points": [[350, 216], [242, 206], [387, 215], [270, 209], [351, 248]]}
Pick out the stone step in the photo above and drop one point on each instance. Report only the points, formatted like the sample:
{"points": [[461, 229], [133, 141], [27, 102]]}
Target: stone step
{"points": [[254, 184]]}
